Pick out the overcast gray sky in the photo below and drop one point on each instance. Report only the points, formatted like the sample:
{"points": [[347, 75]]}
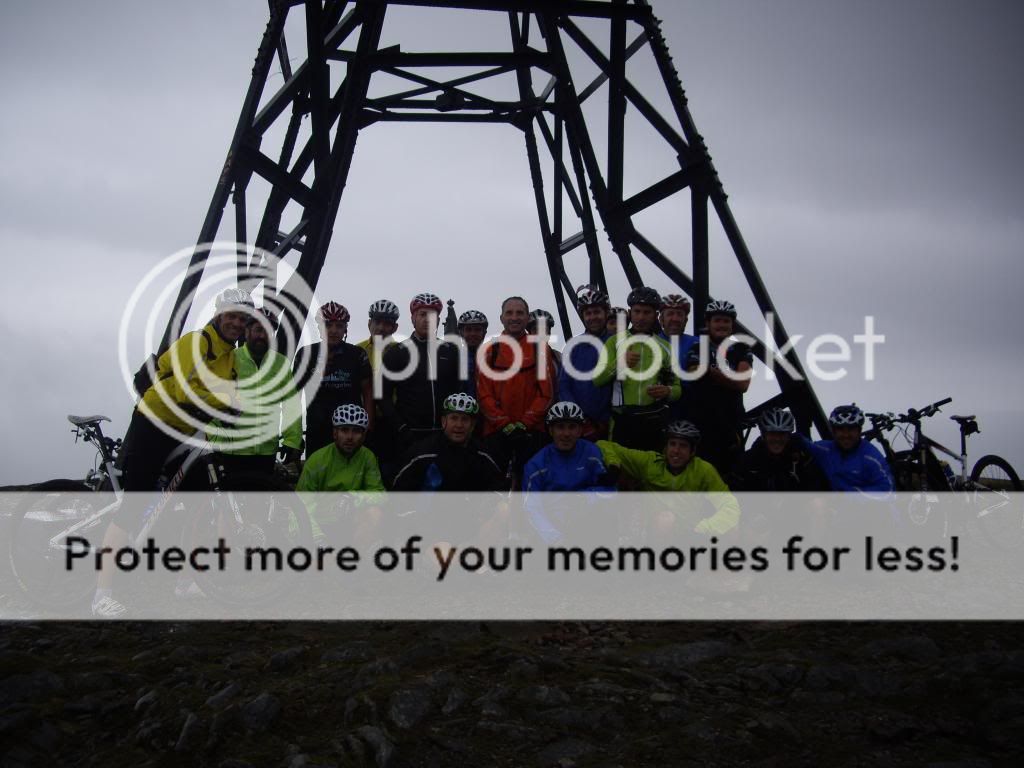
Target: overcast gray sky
{"points": [[870, 150]]}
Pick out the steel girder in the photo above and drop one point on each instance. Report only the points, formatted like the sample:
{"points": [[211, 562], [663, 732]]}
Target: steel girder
{"points": [[321, 123]]}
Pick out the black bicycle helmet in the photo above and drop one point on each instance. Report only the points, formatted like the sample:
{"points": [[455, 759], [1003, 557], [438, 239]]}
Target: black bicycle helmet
{"points": [[846, 416], [644, 295]]}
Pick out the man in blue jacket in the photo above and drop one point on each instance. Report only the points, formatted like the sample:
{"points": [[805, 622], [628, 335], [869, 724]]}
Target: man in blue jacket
{"points": [[567, 464], [849, 462], [675, 311], [581, 357]]}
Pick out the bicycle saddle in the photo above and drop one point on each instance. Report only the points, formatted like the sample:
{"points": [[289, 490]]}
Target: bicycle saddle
{"points": [[82, 421], [963, 418]]}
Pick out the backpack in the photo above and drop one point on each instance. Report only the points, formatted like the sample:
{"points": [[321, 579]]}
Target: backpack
{"points": [[143, 378]]}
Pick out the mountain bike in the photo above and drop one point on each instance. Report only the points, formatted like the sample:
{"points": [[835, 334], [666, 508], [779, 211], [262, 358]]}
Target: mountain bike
{"points": [[268, 513], [988, 487]]}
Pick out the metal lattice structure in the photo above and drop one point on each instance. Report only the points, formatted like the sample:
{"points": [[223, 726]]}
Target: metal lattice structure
{"points": [[327, 100]]}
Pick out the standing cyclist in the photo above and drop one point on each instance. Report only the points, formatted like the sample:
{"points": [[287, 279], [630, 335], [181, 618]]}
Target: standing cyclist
{"points": [[578, 385], [200, 366], [345, 375]]}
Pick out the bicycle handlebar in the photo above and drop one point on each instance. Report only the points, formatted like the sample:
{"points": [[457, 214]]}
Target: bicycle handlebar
{"points": [[914, 414], [886, 421]]}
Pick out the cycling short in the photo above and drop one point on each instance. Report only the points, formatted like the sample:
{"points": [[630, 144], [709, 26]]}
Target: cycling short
{"points": [[143, 452], [142, 456]]}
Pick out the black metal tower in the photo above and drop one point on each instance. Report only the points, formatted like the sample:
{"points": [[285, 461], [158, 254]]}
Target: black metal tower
{"points": [[327, 100]]}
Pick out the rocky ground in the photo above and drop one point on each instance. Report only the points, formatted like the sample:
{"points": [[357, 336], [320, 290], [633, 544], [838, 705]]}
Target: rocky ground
{"points": [[418, 694]]}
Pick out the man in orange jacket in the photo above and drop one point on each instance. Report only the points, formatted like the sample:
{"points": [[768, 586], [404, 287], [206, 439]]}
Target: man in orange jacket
{"points": [[515, 385]]}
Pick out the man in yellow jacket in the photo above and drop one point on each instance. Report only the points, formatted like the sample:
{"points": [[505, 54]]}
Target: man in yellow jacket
{"points": [[641, 395], [677, 468], [196, 375]]}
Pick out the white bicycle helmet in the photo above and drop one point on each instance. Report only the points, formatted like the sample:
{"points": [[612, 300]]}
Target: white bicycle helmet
{"points": [[350, 415], [565, 411], [776, 420], [233, 299], [460, 402]]}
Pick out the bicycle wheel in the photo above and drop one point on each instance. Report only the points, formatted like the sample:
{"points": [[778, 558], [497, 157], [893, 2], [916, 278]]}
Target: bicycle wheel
{"points": [[266, 516], [37, 564], [1001, 515]]}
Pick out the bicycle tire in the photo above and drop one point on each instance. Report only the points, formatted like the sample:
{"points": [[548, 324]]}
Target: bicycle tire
{"points": [[38, 570], [279, 519], [1001, 519]]}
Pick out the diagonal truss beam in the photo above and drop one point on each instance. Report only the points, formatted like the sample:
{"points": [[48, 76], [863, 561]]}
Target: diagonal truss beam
{"points": [[578, 192]]}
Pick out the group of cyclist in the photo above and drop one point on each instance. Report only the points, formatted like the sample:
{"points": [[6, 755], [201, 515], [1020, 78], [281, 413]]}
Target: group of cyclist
{"points": [[501, 413]]}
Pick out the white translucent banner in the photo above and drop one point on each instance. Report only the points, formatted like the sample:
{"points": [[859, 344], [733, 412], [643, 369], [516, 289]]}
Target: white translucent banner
{"points": [[492, 557]]}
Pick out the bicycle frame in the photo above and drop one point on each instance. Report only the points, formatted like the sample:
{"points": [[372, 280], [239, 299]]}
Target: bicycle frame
{"points": [[193, 452]]}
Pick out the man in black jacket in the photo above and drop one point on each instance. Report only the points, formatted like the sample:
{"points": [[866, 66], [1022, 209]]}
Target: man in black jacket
{"points": [[417, 375], [452, 459], [344, 376], [777, 462]]}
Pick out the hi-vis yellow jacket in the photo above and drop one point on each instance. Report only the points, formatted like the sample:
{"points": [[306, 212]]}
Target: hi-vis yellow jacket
{"points": [[198, 366]]}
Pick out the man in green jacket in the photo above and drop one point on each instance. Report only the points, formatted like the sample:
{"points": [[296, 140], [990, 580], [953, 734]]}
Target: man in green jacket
{"points": [[271, 411], [640, 397], [348, 468], [677, 468]]}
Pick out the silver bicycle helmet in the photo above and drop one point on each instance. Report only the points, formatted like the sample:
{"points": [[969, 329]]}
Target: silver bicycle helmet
{"points": [[684, 429], [565, 411], [382, 309], [776, 420]]}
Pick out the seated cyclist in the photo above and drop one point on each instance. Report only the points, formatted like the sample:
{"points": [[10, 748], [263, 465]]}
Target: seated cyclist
{"points": [[452, 459], [568, 463], [849, 462], [348, 466], [677, 468], [777, 462]]}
